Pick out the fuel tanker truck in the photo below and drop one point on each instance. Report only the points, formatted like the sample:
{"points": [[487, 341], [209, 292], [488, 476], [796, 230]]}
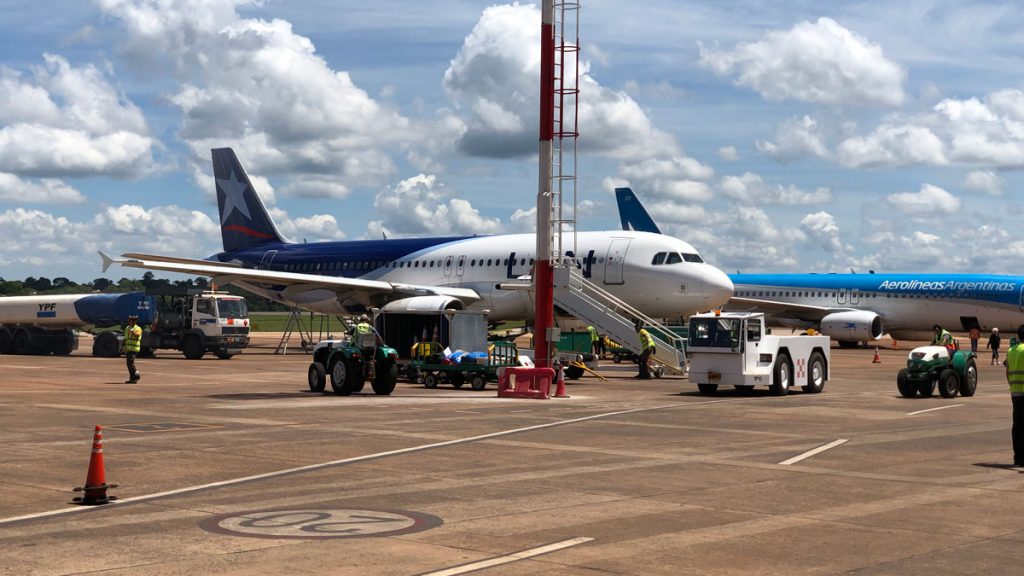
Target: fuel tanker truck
{"points": [[193, 322]]}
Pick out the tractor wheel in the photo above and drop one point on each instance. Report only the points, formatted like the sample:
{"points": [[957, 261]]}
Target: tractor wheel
{"points": [[907, 390], [317, 377], [478, 383], [782, 376], [339, 376], [970, 381], [815, 373], [926, 389], [949, 383], [707, 389], [224, 355], [429, 380], [385, 378]]}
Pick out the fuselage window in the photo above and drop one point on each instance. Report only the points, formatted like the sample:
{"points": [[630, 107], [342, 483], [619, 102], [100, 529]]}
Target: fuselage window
{"points": [[431, 263], [659, 258], [674, 258], [531, 261]]}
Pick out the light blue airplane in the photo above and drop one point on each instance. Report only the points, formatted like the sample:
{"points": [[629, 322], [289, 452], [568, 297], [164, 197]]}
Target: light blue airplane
{"points": [[855, 308]]}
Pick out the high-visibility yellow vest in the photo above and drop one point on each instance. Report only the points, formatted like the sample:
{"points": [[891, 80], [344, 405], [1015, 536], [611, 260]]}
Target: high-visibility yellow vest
{"points": [[944, 338], [593, 333], [363, 328], [645, 340], [132, 338], [1015, 368]]}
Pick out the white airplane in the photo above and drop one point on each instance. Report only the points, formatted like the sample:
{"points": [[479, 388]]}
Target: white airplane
{"points": [[659, 275], [863, 307]]}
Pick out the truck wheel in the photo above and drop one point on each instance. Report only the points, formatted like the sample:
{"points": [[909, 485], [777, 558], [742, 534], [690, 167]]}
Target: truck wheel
{"points": [[907, 390], [192, 347], [317, 377], [949, 383], [782, 376], [106, 345], [707, 389], [815, 373], [970, 382], [224, 355], [926, 389], [573, 372], [22, 342], [457, 380], [617, 358], [385, 377], [429, 380], [478, 383], [6, 342]]}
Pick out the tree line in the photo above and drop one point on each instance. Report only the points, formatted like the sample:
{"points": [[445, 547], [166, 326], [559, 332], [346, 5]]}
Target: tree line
{"points": [[60, 285]]}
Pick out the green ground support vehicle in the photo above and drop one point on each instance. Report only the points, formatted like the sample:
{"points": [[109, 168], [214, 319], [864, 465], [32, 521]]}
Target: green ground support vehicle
{"points": [[929, 367], [428, 366], [349, 367]]}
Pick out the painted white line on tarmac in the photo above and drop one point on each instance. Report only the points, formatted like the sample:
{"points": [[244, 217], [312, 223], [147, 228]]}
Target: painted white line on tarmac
{"points": [[933, 409], [514, 557], [810, 453], [332, 463]]}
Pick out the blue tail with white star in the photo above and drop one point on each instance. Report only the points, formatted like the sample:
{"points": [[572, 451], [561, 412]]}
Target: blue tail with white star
{"points": [[244, 221]]}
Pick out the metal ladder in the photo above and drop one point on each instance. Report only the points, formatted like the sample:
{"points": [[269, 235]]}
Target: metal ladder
{"points": [[614, 317]]}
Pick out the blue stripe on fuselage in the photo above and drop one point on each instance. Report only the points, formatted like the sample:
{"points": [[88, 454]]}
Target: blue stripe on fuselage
{"points": [[987, 287], [377, 252]]}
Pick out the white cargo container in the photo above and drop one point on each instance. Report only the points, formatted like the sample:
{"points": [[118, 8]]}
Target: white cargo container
{"points": [[738, 349]]}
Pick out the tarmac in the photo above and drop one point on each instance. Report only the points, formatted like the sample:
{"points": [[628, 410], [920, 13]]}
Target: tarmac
{"points": [[234, 467]]}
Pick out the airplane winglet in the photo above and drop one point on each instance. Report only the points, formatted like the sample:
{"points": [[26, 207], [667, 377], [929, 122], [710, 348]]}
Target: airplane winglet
{"points": [[107, 261]]}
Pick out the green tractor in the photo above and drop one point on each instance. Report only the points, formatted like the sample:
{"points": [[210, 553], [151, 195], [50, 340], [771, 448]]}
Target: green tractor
{"points": [[349, 367], [929, 367]]}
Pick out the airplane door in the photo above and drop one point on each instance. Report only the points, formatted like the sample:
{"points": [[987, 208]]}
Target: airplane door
{"points": [[1021, 302], [854, 296], [448, 265], [461, 267], [268, 257], [615, 260], [841, 296]]}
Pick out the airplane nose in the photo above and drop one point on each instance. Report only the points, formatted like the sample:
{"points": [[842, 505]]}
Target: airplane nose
{"points": [[718, 287]]}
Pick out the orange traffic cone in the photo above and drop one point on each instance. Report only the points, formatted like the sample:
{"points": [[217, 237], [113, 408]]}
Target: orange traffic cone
{"points": [[877, 359], [95, 488], [560, 386]]}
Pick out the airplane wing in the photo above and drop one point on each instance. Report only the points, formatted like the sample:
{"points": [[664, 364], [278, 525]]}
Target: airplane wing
{"points": [[226, 273], [782, 309]]}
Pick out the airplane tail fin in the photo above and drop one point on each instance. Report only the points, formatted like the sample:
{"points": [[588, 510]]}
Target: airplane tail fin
{"points": [[244, 221], [632, 212]]}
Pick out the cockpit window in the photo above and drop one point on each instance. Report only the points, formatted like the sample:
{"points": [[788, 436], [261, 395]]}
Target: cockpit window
{"points": [[692, 258], [674, 258], [659, 258]]}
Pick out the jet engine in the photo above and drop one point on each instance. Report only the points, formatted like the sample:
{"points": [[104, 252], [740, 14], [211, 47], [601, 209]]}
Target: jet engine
{"points": [[423, 304], [853, 325]]}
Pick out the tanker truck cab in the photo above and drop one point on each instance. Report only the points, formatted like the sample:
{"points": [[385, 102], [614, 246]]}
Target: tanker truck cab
{"points": [[219, 324], [738, 349]]}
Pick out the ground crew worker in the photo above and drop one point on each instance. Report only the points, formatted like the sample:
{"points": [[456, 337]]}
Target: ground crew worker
{"points": [[993, 344], [1015, 378], [646, 349], [364, 327], [595, 341], [132, 346], [943, 338]]}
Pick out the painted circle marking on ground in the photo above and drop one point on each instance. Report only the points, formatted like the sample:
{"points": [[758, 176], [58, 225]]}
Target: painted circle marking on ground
{"points": [[320, 523]]}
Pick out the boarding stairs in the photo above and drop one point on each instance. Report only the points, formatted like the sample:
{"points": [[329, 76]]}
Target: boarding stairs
{"points": [[615, 318]]}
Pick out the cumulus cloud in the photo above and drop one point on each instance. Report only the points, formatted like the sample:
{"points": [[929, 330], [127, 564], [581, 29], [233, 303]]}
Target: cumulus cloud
{"points": [[422, 205], [315, 228], [820, 62], [42, 191], [984, 181], [893, 145], [728, 153], [750, 188], [821, 228], [67, 121], [929, 200], [795, 138], [494, 82]]}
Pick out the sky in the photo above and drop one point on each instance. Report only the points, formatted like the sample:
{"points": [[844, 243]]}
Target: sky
{"points": [[773, 136]]}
